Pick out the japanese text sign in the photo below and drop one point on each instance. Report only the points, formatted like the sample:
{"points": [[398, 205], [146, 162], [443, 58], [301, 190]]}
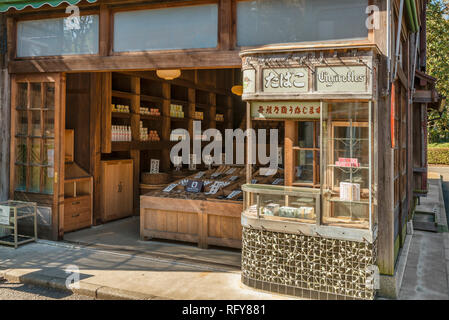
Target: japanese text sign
{"points": [[279, 80], [285, 110]]}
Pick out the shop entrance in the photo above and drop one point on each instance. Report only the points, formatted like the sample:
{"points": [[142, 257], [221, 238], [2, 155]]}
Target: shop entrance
{"points": [[117, 148]]}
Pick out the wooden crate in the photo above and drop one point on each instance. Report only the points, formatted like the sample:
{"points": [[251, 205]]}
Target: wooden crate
{"points": [[116, 189], [206, 222]]}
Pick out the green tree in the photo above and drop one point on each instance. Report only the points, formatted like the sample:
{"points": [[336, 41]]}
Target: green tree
{"points": [[438, 64]]}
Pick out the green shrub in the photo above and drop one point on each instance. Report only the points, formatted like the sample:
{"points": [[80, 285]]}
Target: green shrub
{"points": [[438, 155]]}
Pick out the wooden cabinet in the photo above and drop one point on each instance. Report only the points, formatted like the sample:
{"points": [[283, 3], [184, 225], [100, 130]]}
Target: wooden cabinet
{"points": [[116, 190]]}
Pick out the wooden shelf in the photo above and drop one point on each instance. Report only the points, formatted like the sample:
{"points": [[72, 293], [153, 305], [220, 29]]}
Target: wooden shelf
{"points": [[150, 117], [121, 115], [144, 97], [139, 145], [122, 94]]}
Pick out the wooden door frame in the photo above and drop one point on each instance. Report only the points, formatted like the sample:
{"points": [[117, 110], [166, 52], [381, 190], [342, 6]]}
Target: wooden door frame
{"points": [[59, 124]]}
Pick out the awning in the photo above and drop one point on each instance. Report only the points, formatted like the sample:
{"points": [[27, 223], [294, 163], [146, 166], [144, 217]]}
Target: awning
{"points": [[5, 5]]}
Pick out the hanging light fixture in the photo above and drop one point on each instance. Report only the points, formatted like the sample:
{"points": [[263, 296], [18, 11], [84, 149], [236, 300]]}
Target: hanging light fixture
{"points": [[237, 90], [168, 74]]}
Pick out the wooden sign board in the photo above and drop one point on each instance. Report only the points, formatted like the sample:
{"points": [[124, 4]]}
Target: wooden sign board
{"points": [[288, 80], [342, 79], [285, 110]]}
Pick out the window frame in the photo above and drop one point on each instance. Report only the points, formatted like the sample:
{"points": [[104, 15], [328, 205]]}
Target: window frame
{"points": [[45, 16]]}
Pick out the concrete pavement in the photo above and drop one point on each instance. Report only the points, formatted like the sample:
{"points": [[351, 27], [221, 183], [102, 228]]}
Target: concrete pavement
{"points": [[108, 275], [427, 271]]}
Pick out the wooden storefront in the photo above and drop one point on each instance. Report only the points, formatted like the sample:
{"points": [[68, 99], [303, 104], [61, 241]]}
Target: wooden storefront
{"points": [[81, 97]]}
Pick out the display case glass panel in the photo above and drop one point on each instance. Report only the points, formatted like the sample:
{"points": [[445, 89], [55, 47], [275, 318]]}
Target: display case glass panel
{"points": [[281, 203], [347, 164]]}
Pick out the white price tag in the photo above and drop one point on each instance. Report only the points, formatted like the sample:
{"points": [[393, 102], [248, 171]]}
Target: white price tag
{"points": [[233, 194], [170, 187], [154, 166]]}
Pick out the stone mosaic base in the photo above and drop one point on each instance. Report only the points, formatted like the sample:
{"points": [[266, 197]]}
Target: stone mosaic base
{"points": [[308, 266]]}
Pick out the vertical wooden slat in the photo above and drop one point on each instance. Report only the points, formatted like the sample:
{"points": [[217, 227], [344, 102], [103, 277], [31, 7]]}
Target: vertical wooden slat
{"points": [[58, 190], [248, 143], [166, 125], [104, 32], [14, 90], [95, 143], [225, 24], [288, 152], [212, 110], [106, 116]]}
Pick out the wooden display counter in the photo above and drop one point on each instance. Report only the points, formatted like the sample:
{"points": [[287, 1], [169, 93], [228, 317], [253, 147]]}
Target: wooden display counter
{"points": [[210, 216], [206, 222]]}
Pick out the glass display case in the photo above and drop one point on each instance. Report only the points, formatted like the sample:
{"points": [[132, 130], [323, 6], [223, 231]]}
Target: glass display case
{"points": [[281, 203], [347, 167]]}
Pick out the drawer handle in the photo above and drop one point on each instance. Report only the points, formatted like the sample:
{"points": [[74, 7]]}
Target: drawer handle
{"points": [[76, 203], [75, 215]]}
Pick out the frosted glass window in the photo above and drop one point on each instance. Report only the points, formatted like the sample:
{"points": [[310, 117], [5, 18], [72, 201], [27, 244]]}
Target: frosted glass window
{"points": [[281, 21], [165, 29], [60, 36]]}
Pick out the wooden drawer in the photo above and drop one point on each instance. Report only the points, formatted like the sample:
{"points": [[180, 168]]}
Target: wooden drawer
{"points": [[74, 205], [77, 213], [78, 220]]}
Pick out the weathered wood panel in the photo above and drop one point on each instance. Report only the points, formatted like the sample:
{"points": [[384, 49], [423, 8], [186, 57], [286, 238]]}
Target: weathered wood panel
{"points": [[204, 222]]}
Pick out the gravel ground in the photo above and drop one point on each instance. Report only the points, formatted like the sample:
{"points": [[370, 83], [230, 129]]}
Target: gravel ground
{"points": [[19, 291]]}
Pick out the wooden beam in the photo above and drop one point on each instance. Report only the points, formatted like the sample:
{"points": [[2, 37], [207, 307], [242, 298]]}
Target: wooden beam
{"points": [[105, 33], [106, 113], [288, 151], [95, 143], [184, 59], [225, 41]]}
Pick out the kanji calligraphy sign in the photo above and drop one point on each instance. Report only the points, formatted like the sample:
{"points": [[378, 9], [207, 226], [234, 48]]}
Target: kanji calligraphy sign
{"points": [[286, 80], [285, 110]]}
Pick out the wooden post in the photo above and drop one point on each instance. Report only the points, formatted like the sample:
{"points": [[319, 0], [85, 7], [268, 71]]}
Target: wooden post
{"points": [[225, 25], [191, 93], [135, 131], [95, 143], [4, 117], [106, 115], [288, 151], [384, 179], [212, 110], [104, 32], [248, 144], [166, 126]]}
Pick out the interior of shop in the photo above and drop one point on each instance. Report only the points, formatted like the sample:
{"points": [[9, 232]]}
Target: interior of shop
{"points": [[142, 109]]}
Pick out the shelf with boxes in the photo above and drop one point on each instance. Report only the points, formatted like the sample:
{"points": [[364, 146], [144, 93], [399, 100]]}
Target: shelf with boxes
{"points": [[151, 108]]}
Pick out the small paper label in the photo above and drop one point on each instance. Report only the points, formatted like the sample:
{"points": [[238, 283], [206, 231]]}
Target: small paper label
{"points": [[4, 215], [170, 187]]}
